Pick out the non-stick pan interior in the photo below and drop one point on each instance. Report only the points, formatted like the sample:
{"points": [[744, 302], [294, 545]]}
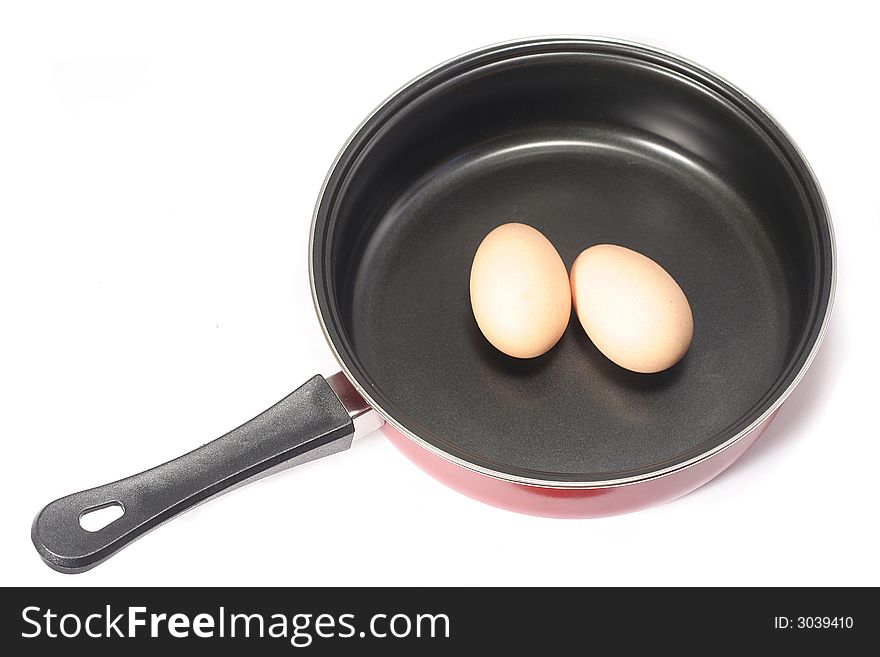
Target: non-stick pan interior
{"points": [[589, 143]]}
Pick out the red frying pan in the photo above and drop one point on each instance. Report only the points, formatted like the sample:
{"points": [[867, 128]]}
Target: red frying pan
{"points": [[591, 141]]}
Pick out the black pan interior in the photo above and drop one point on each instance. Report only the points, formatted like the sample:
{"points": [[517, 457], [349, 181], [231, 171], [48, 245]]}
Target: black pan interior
{"points": [[590, 143]]}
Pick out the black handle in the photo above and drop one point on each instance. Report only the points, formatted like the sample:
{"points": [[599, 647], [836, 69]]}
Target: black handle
{"points": [[309, 423]]}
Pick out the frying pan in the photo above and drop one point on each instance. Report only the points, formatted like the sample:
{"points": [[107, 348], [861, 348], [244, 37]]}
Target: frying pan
{"points": [[591, 141]]}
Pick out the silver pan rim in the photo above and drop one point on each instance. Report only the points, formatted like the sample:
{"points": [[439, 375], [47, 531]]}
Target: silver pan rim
{"points": [[592, 484]]}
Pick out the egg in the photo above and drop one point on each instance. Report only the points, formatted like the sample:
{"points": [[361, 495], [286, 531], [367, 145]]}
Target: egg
{"points": [[519, 290], [631, 308]]}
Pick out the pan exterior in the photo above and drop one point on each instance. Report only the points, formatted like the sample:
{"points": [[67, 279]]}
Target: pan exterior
{"points": [[573, 502]]}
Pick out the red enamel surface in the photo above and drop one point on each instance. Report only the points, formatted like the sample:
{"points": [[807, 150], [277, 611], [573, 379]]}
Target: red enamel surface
{"points": [[573, 502]]}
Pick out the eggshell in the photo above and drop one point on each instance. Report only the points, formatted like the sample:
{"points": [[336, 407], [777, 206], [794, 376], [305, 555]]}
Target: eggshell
{"points": [[631, 308], [519, 289]]}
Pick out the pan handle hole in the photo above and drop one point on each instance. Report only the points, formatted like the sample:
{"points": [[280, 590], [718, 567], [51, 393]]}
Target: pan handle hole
{"points": [[96, 518]]}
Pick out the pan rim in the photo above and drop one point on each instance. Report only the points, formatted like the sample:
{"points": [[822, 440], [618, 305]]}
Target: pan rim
{"points": [[561, 40]]}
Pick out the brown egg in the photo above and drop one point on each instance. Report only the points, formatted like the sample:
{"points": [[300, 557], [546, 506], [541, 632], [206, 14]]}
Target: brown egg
{"points": [[519, 291], [632, 309]]}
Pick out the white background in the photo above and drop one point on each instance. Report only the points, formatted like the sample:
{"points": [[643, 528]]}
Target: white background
{"points": [[158, 167]]}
